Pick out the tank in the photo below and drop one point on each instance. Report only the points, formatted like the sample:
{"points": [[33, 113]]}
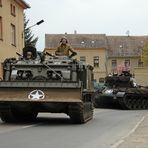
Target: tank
{"points": [[46, 83], [121, 91]]}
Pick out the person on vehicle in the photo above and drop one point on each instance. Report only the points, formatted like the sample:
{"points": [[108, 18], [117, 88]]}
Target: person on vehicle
{"points": [[65, 49], [29, 55]]}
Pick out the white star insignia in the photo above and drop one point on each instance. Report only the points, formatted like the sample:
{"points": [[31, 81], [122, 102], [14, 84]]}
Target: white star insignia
{"points": [[36, 95]]}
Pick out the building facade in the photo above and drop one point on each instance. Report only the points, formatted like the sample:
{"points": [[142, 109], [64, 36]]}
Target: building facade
{"points": [[124, 51], [11, 27], [107, 54]]}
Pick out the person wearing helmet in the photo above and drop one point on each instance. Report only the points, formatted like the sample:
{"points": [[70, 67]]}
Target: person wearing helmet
{"points": [[29, 55], [65, 49]]}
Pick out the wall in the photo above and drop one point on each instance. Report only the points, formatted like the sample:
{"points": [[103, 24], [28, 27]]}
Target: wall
{"points": [[100, 71], [120, 60], [6, 49], [141, 75]]}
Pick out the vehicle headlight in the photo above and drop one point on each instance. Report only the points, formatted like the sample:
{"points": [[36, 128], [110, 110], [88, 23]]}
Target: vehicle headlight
{"points": [[108, 91]]}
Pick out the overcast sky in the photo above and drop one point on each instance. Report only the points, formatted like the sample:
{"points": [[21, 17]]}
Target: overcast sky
{"points": [[111, 17]]}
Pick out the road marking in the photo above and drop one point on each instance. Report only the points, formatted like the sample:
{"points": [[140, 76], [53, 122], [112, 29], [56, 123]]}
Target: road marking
{"points": [[18, 128], [32, 125], [128, 134]]}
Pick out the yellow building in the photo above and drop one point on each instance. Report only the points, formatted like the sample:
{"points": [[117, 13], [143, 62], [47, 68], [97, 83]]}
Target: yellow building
{"points": [[141, 75], [105, 53], [144, 54], [90, 48], [11, 27], [125, 50]]}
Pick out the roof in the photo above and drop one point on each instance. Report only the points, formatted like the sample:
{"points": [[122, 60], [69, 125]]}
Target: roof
{"points": [[125, 46], [77, 40], [117, 46], [23, 4]]}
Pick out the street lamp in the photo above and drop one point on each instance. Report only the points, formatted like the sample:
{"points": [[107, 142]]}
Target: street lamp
{"points": [[38, 23]]}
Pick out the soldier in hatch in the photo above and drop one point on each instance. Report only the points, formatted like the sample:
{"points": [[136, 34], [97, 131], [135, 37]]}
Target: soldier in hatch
{"points": [[65, 49], [29, 55]]}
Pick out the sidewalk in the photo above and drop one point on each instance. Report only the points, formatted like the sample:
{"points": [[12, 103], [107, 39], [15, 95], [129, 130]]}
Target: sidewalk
{"points": [[139, 138]]}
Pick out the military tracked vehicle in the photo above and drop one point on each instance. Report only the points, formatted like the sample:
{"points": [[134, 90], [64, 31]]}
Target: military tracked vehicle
{"points": [[46, 83], [121, 91]]}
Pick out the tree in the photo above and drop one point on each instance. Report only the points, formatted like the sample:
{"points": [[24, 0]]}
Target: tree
{"points": [[29, 38], [144, 55]]}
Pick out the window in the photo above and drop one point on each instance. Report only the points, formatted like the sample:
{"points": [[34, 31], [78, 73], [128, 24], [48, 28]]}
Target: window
{"points": [[0, 3], [114, 64], [13, 35], [96, 61], [1, 29], [83, 59], [12, 9], [127, 63], [140, 63]]}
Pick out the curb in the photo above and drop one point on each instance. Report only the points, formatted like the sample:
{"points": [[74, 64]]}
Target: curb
{"points": [[115, 145]]}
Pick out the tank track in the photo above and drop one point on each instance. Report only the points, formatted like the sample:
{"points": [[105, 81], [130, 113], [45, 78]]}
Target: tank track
{"points": [[134, 101], [10, 116], [7, 116], [81, 113]]}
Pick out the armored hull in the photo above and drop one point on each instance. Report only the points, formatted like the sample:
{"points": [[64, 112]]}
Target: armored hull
{"points": [[49, 84]]}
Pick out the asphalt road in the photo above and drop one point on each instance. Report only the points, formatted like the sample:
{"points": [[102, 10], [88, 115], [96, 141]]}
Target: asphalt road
{"points": [[56, 131]]}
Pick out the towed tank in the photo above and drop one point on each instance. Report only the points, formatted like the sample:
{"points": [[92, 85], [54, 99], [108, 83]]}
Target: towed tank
{"points": [[46, 83], [123, 92]]}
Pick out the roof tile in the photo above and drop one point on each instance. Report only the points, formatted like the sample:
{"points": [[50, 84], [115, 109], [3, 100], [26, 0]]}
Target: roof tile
{"points": [[77, 40]]}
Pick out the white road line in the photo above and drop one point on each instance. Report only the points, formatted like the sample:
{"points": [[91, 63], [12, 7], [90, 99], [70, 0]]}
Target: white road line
{"points": [[128, 134], [18, 128], [32, 125]]}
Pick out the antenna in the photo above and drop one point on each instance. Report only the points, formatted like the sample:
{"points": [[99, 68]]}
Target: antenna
{"points": [[127, 33]]}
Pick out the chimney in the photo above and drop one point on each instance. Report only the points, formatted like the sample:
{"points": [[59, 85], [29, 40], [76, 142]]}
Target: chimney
{"points": [[75, 31]]}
